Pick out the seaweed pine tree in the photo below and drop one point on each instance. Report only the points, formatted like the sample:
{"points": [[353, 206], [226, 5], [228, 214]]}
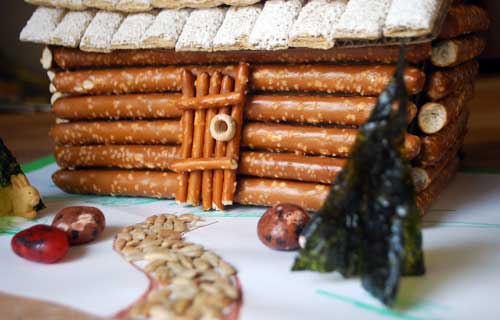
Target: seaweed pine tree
{"points": [[369, 224]]}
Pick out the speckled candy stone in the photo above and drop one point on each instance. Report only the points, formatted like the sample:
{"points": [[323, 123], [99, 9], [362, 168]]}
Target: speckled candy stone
{"points": [[82, 224], [280, 226]]}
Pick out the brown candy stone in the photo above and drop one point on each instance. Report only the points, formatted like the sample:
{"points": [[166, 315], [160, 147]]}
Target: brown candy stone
{"points": [[280, 226], [82, 224]]}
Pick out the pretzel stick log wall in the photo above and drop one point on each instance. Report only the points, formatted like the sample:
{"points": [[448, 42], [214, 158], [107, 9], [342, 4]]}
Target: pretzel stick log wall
{"points": [[464, 19], [445, 81], [314, 109], [433, 146], [133, 106], [194, 186], [220, 151], [117, 156], [233, 146], [449, 53], [117, 132], [68, 58], [155, 184], [311, 140], [118, 81], [187, 134], [290, 166], [359, 79], [434, 116], [427, 197], [268, 192]]}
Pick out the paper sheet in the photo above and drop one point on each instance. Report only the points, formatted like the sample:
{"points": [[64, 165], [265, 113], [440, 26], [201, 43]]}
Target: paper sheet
{"points": [[461, 242]]}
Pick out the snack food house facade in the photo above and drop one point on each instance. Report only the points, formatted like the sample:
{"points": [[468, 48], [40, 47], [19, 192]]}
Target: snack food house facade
{"points": [[252, 104]]}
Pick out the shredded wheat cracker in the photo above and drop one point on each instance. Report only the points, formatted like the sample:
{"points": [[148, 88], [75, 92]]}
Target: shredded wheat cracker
{"points": [[70, 31], [200, 30], [101, 4], [68, 4], [178, 4], [166, 29], [134, 5], [236, 28], [362, 19], [99, 33], [273, 24], [411, 18], [129, 35], [314, 27], [41, 24]]}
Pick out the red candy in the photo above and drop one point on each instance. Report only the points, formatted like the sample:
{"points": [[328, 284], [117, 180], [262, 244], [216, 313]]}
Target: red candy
{"points": [[41, 243], [280, 226]]}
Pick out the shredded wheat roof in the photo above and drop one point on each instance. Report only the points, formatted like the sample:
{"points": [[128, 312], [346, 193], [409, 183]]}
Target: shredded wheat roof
{"points": [[215, 26]]}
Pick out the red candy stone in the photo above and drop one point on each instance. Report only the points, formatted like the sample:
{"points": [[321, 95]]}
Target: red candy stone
{"points": [[41, 243], [280, 226]]}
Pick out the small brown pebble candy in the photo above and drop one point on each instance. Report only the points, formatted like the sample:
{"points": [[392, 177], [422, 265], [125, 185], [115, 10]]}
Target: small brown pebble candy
{"points": [[280, 226], [82, 224]]}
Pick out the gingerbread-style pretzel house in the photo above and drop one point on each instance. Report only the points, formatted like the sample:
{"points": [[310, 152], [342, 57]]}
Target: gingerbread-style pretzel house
{"points": [[250, 102]]}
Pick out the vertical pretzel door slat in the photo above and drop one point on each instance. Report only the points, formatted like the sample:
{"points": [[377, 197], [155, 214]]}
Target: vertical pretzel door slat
{"points": [[209, 144], [194, 185], [233, 146], [212, 178], [220, 151], [187, 135]]}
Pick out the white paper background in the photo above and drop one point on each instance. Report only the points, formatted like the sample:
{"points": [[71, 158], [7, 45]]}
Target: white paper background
{"points": [[461, 241]]}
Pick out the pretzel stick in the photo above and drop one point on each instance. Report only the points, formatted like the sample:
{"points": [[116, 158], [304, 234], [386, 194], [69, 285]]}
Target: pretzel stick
{"points": [[445, 81], [424, 176], [220, 151], [357, 79], [117, 132], [268, 192], [202, 164], [211, 101], [449, 53], [311, 140], [314, 109], [68, 58], [464, 19], [434, 145], [118, 81], [233, 146], [187, 135], [208, 146], [194, 186], [434, 116], [290, 166], [154, 184], [120, 156], [133, 106], [427, 197]]}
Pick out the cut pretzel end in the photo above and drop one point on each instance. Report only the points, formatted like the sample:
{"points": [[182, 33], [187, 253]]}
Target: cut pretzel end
{"points": [[432, 117]]}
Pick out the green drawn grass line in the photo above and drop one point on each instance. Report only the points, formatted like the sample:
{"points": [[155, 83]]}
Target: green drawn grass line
{"points": [[464, 224], [367, 307], [38, 163]]}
